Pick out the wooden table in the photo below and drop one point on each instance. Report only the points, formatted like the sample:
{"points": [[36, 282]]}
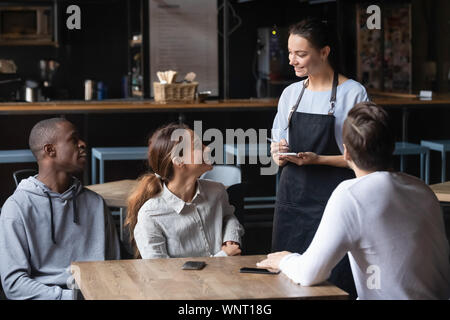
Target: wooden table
{"points": [[163, 279], [115, 194], [442, 191]]}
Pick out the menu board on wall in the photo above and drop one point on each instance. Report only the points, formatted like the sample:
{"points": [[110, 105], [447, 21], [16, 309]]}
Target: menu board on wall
{"points": [[184, 38]]}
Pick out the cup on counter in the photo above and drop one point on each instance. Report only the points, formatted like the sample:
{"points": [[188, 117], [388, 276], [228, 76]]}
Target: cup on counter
{"points": [[31, 91], [203, 95], [30, 94]]}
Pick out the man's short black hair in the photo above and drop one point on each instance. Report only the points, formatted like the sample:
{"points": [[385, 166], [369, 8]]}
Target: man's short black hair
{"points": [[43, 132]]}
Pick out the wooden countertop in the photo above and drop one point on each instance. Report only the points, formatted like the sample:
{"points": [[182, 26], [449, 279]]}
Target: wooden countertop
{"points": [[110, 106], [388, 101], [163, 279], [129, 106]]}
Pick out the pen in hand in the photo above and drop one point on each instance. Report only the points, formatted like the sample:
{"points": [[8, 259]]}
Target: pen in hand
{"points": [[282, 153]]}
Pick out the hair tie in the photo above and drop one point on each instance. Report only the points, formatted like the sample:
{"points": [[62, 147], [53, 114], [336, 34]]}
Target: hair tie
{"points": [[157, 175]]}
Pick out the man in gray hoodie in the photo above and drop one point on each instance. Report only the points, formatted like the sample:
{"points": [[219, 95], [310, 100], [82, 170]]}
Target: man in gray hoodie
{"points": [[51, 220]]}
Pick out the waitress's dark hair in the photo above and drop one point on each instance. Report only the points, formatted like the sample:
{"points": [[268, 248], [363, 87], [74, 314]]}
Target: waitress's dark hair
{"points": [[368, 137], [319, 34]]}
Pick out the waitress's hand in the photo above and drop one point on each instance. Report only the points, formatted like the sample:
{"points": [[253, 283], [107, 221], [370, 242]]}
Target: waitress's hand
{"points": [[275, 148], [302, 158]]}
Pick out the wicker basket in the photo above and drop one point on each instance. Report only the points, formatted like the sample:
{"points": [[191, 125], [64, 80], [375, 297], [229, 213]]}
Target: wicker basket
{"points": [[175, 92]]}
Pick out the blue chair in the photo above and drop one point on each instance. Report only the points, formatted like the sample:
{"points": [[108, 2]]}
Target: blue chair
{"points": [[443, 146], [405, 148], [114, 153], [16, 156]]}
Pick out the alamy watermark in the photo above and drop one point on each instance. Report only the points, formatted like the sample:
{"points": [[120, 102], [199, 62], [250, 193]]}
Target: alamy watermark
{"points": [[235, 148], [374, 280], [374, 20], [74, 20]]}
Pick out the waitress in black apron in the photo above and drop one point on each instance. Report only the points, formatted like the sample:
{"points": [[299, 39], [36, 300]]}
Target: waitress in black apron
{"points": [[309, 123]]}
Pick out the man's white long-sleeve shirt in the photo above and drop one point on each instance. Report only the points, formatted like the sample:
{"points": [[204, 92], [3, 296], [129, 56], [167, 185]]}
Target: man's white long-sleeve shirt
{"points": [[391, 226]]}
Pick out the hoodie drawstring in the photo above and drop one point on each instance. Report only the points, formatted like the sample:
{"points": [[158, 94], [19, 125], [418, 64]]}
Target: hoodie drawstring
{"points": [[75, 212], [74, 200], [51, 217]]}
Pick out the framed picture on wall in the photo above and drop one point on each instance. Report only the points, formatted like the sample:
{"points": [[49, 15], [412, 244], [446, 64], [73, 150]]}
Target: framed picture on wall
{"points": [[384, 55]]}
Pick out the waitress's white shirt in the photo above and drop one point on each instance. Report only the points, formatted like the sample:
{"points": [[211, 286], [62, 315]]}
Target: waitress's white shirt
{"points": [[392, 228], [348, 94]]}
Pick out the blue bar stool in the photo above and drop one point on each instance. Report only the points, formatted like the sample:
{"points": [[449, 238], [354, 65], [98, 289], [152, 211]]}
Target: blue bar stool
{"points": [[405, 148], [114, 153], [16, 156], [443, 146]]}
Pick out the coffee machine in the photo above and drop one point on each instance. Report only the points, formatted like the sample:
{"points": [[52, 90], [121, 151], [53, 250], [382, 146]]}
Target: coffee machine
{"points": [[47, 72], [10, 82]]}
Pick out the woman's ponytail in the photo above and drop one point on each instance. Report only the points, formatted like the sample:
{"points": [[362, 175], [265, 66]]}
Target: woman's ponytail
{"points": [[148, 186]]}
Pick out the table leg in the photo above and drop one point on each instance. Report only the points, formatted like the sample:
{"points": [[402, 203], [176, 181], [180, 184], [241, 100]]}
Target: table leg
{"points": [[444, 164], [181, 118], [122, 213], [102, 171], [93, 170], [422, 165], [405, 115]]}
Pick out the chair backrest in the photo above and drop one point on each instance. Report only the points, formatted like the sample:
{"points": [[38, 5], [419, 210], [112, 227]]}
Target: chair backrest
{"points": [[230, 177], [226, 174], [23, 174], [236, 199]]}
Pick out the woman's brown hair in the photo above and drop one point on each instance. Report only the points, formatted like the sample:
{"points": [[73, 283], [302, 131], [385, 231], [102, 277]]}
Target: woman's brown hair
{"points": [[319, 34], [368, 137], [160, 148]]}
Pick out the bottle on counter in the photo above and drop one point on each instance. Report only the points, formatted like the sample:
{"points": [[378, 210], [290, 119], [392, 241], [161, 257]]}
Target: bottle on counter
{"points": [[88, 89]]}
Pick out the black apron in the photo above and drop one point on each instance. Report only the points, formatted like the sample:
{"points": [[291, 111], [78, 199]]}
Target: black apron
{"points": [[303, 191]]}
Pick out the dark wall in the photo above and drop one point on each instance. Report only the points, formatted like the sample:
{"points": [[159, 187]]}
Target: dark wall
{"points": [[98, 51], [263, 13]]}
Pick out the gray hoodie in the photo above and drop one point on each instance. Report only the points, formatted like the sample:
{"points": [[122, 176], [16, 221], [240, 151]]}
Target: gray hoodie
{"points": [[42, 232]]}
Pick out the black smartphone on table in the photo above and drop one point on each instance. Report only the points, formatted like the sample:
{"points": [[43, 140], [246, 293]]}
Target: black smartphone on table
{"points": [[193, 265], [258, 270]]}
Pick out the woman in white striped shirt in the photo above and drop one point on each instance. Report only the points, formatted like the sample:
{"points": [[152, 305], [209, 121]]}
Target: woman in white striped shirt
{"points": [[173, 213]]}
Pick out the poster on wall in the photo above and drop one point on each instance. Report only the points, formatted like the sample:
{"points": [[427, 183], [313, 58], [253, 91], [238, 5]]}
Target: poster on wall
{"points": [[384, 55], [184, 38]]}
